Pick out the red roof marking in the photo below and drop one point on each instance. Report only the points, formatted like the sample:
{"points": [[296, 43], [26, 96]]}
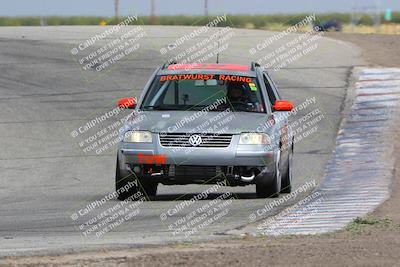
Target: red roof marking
{"points": [[215, 66]]}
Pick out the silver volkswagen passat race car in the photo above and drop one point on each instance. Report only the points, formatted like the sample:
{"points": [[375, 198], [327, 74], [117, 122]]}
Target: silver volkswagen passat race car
{"points": [[204, 124]]}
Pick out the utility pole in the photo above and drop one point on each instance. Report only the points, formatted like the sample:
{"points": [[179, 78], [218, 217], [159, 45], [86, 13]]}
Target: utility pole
{"points": [[116, 9], [152, 8], [206, 8], [152, 11]]}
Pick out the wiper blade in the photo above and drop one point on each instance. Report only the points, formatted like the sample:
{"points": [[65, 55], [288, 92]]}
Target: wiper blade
{"points": [[204, 106], [244, 110], [156, 107]]}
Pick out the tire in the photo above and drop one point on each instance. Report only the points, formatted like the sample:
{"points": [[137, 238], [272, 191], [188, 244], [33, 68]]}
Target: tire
{"points": [[287, 176], [267, 186], [149, 189], [121, 182]]}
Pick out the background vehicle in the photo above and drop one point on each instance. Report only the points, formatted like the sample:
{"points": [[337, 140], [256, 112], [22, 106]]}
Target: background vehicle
{"points": [[206, 123], [329, 25]]}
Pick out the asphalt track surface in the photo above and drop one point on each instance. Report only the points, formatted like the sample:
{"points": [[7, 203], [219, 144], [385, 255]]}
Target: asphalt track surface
{"points": [[45, 177]]}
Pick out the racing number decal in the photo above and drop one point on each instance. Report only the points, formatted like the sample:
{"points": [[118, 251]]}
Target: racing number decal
{"points": [[151, 159]]}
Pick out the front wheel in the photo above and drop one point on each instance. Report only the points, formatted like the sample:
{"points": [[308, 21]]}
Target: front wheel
{"points": [[123, 187], [267, 185], [287, 176], [148, 188]]}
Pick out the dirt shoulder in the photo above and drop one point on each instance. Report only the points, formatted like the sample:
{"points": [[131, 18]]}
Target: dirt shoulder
{"points": [[378, 49], [370, 241]]}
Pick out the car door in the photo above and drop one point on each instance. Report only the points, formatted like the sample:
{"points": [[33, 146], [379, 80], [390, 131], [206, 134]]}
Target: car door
{"points": [[280, 117]]}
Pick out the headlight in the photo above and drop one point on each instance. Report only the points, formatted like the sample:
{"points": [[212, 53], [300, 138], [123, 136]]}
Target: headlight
{"points": [[254, 139], [137, 137]]}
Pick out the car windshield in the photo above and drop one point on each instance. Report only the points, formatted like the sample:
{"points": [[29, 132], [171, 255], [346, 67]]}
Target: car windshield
{"points": [[198, 91]]}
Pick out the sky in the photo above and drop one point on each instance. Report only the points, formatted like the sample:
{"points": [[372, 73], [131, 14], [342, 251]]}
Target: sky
{"points": [[185, 7]]}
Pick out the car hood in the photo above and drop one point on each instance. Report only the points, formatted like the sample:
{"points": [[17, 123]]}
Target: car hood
{"points": [[195, 121]]}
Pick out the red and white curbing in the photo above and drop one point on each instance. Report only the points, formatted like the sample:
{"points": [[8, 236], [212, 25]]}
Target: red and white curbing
{"points": [[357, 179]]}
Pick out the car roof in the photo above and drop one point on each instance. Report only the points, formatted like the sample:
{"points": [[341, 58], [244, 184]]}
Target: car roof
{"points": [[214, 68]]}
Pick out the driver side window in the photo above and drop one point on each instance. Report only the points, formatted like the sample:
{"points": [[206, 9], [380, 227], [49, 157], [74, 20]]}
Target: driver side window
{"points": [[271, 95]]}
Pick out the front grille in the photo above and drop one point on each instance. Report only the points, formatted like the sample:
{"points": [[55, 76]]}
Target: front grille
{"points": [[196, 171], [182, 140]]}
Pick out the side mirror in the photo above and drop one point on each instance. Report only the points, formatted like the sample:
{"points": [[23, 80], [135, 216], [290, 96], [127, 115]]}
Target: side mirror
{"points": [[127, 102], [282, 105]]}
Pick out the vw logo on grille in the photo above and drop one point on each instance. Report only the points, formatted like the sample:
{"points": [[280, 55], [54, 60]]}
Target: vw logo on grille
{"points": [[195, 140]]}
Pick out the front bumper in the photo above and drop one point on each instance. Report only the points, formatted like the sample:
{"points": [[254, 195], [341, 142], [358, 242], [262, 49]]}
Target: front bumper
{"points": [[226, 161]]}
